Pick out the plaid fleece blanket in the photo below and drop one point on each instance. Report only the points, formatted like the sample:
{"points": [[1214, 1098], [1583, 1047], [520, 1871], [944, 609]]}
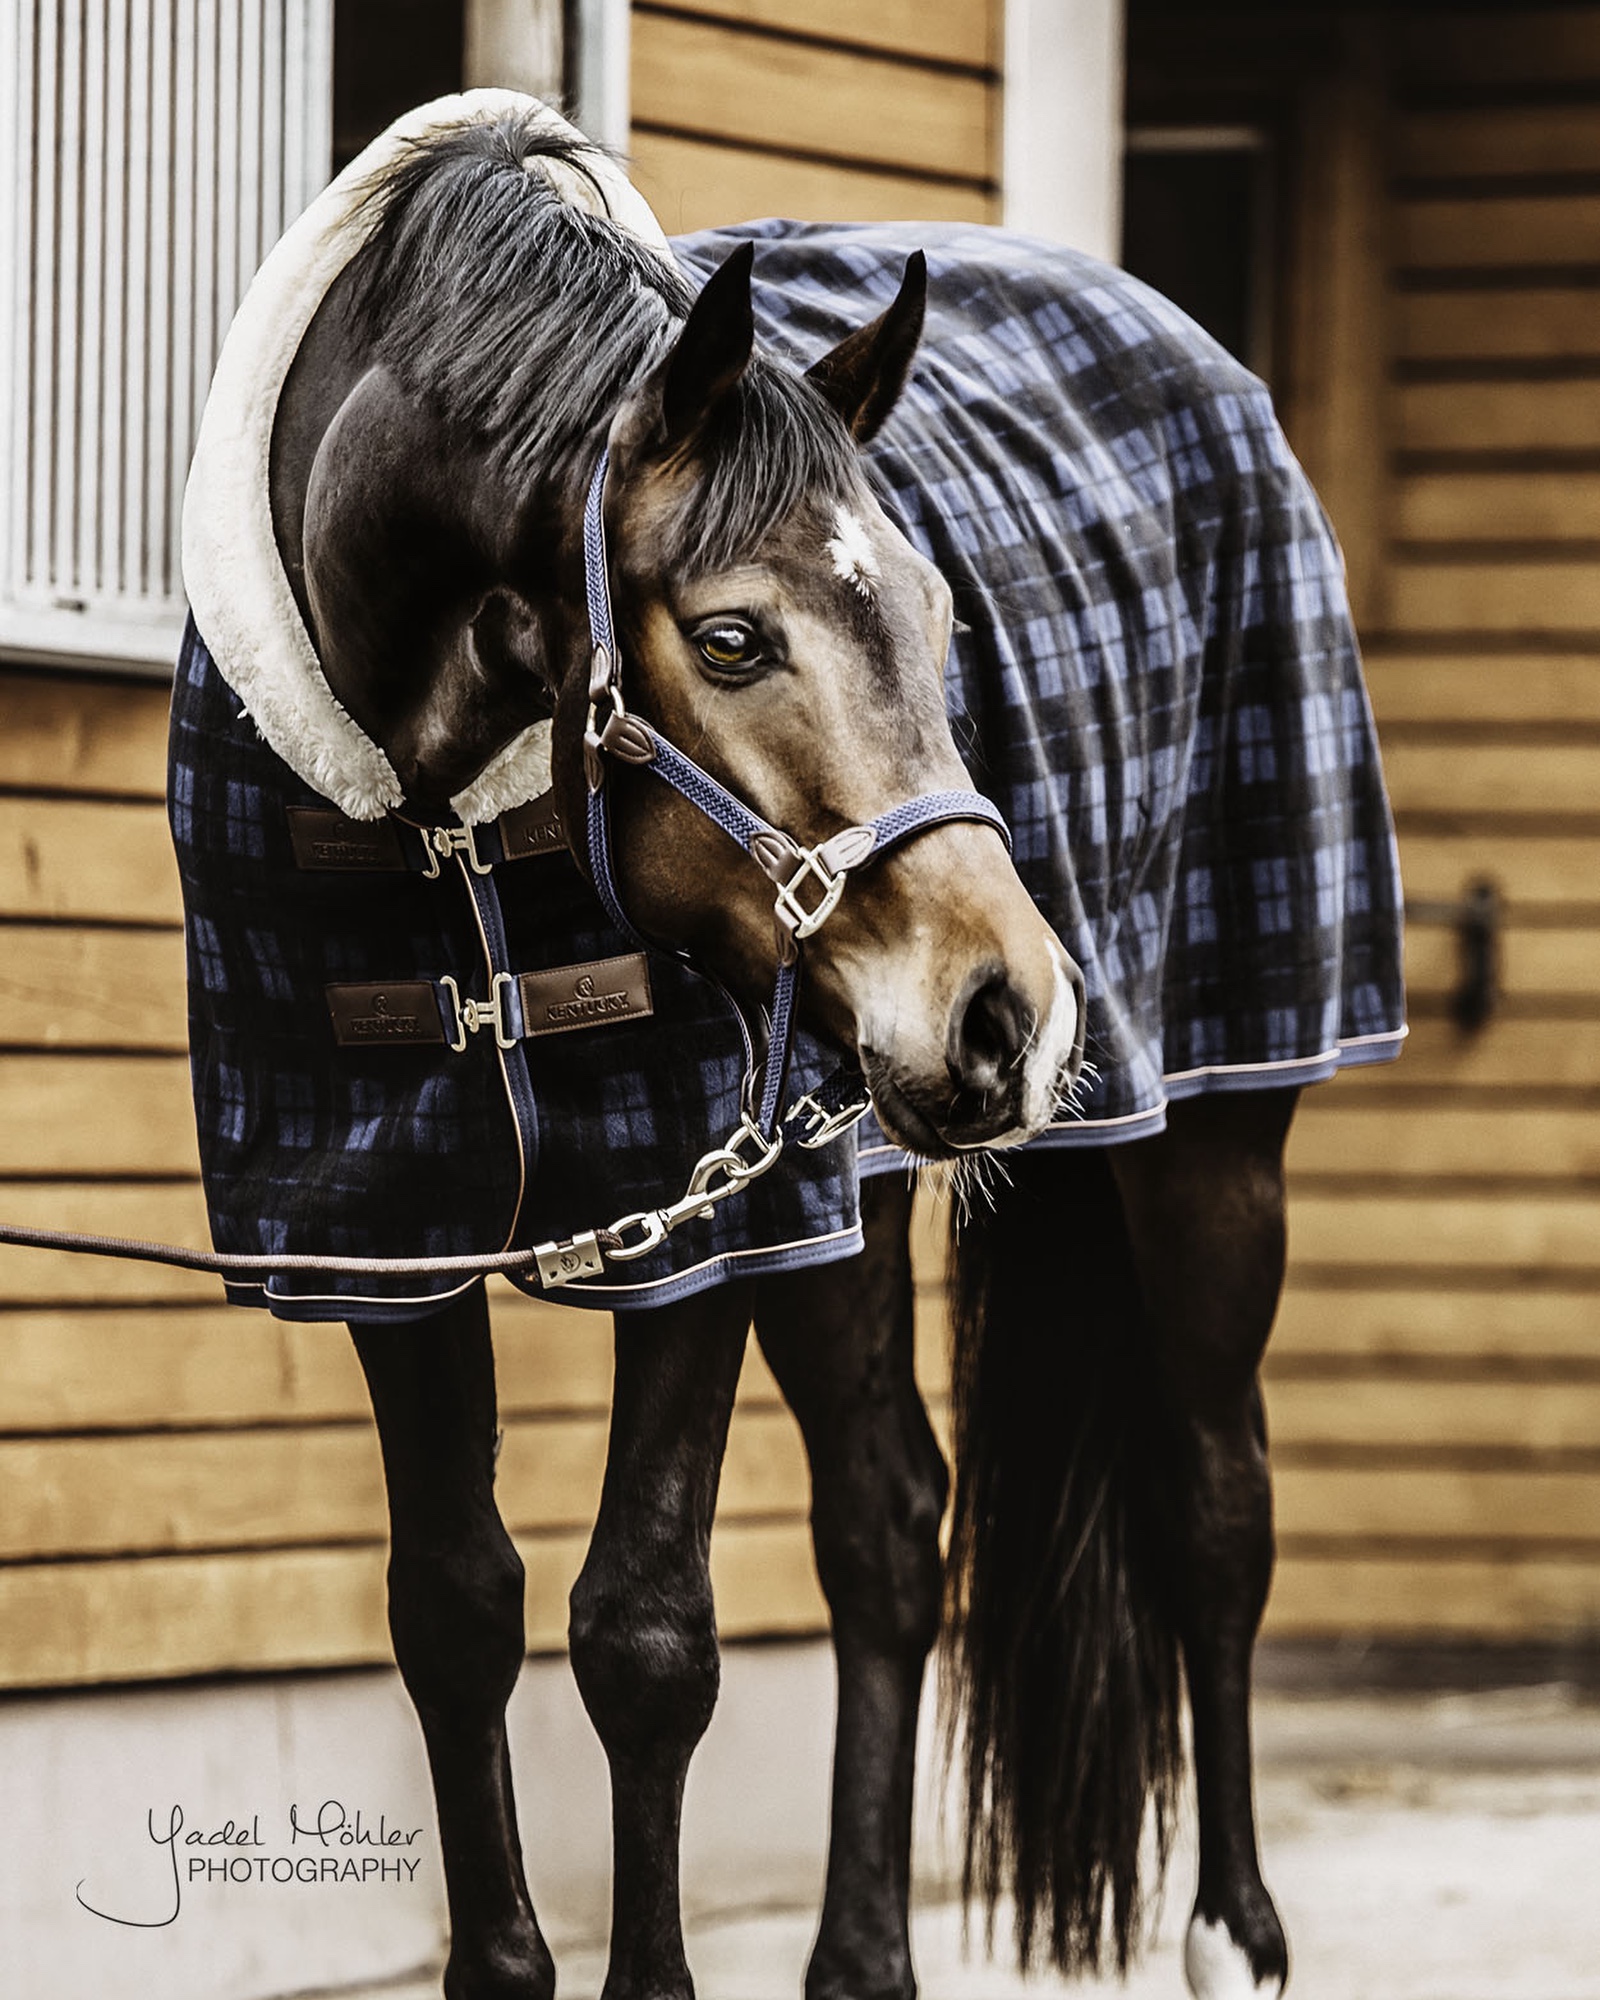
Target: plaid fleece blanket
{"points": [[1154, 675]]}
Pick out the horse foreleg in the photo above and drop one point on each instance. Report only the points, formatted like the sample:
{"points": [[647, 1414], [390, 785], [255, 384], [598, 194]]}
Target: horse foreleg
{"points": [[839, 1340], [455, 1613], [1205, 1209], [644, 1636]]}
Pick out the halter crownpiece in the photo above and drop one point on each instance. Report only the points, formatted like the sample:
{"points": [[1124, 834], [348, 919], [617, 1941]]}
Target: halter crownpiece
{"points": [[810, 883]]}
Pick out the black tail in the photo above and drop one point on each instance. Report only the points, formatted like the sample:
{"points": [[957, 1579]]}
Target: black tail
{"points": [[1062, 1658]]}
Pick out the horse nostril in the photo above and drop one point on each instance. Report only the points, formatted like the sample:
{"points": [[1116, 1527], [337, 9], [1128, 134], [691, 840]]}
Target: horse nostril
{"points": [[990, 1028]]}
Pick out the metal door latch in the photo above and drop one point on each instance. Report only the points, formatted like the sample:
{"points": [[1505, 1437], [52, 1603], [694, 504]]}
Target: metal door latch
{"points": [[1477, 920]]}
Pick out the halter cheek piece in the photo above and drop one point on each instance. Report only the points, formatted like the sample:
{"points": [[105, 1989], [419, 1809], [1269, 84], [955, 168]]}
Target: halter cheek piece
{"points": [[809, 883]]}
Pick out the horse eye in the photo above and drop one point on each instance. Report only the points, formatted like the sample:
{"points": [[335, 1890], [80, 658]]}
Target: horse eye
{"points": [[727, 643]]}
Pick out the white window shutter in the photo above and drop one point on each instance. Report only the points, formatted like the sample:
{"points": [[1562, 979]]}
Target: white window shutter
{"points": [[151, 153]]}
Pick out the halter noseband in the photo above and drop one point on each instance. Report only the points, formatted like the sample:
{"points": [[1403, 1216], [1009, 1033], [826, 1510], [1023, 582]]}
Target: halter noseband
{"points": [[809, 883]]}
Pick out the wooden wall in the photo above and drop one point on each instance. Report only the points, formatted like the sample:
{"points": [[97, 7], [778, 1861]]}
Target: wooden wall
{"points": [[1453, 1206], [1434, 1387], [816, 108]]}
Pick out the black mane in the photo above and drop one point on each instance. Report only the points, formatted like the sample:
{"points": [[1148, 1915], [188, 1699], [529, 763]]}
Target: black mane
{"points": [[524, 321]]}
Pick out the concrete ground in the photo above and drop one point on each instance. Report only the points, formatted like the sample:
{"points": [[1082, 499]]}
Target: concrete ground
{"points": [[1420, 1847]]}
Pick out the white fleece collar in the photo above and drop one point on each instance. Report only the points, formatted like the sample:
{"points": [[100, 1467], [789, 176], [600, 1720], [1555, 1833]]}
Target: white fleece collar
{"points": [[236, 583]]}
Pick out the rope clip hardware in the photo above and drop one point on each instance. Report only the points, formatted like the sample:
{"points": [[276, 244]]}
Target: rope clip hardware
{"points": [[726, 1170], [816, 1125]]}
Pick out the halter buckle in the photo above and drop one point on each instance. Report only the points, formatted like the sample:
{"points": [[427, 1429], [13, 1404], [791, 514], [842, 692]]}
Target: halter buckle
{"points": [[793, 916], [602, 682], [818, 1126], [471, 1015], [440, 842]]}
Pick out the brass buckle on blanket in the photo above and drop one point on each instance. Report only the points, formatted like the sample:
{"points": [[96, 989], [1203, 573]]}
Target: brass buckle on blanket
{"points": [[440, 842], [471, 1015]]}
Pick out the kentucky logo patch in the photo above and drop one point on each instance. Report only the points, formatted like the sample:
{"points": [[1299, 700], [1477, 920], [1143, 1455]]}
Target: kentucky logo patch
{"points": [[404, 1011], [586, 996]]}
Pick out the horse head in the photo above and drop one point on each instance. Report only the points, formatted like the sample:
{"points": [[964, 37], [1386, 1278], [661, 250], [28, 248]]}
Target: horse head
{"points": [[777, 626]]}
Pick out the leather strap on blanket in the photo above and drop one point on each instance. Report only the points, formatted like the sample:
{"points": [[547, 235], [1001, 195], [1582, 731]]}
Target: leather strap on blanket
{"points": [[434, 1013], [325, 841]]}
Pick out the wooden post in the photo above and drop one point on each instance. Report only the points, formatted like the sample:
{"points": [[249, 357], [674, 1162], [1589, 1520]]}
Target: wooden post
{"points": [[1334, 397]]}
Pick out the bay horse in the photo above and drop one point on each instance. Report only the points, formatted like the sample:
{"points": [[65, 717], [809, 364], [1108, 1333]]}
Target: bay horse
{"points": [[508, 421]]}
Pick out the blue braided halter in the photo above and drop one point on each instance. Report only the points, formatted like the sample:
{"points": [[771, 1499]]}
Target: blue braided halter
{"points": [[809, 880]]}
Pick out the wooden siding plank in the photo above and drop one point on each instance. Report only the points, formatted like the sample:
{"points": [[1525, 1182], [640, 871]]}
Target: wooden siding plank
{"points": [[1520, 45], [952, 31], [82, 736], [1487, 1326], [156, 1366], [1485, 596], [1431, 1232], [217, 1490], [1484, 232], [160, 1617], [1545, 1055], [92, 989], [171, 1214], [216, 1364], [1543, 323], [1469, 1599], [159, 1494], [89, 1114], [1495, 687], [1443, 1504], [1495, 597], [765, 1581], [781, 95], [155, 1496], [155, 1618], [1534, 964], [1499, 416], [1498, 139], [1498, 506], [1333, 1135], [1381, 1413], [1530, 869], [1496, 777], [62, 858], [691, 185]]}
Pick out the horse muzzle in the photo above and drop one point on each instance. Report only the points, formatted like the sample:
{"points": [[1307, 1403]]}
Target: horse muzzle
{"points": [[1008, 1063]]}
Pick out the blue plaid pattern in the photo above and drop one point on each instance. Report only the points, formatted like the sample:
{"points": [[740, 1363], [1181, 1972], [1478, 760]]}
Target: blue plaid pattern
{"points": [[1154, 673], [1155, 678]]}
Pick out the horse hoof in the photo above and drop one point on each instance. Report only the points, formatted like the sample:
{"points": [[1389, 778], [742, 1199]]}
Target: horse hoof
{"points": [[1219, 1966]]}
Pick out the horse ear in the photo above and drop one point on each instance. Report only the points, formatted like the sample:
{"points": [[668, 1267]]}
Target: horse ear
{"points": [[712, 351], [862, 377]]}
